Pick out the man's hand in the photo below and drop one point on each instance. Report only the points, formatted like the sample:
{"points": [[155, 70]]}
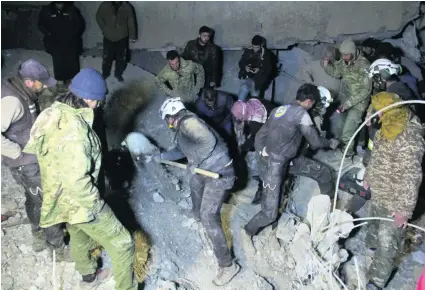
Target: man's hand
{"points": [[132, 40], [247, 68], [365, 183], [342, 108], [255, 70], [368, 122], [212, 84], [326, 60], [334, 143], [399, 220], [263, 152], [191, 168]]}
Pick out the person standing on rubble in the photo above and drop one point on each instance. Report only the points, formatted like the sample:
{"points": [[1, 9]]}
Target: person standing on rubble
{"points": [[394, 175], [255, 68], [117, 21], [277, 142], [355, 89], [19, 110], [203, 51], [214, 107], [69, 153], [62, 26], [203, 148], [180, 75]]}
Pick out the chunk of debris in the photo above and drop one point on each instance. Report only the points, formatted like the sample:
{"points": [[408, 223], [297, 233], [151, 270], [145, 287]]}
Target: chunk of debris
{"points": [[157, 197]]}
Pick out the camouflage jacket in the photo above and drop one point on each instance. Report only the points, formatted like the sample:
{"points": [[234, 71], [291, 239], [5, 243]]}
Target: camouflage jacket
{"points": [[394, 172], [69, 154], [182, 81], [356, 87]]}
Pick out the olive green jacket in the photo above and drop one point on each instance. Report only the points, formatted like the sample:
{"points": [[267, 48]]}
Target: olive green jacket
{"points": [[69, 154]]}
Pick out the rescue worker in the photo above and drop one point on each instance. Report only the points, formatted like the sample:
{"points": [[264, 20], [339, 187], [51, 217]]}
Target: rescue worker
{"points": [[355, 88], [69, 154], [117, 21], [62, 26], [203, 148], [277, 143], [255, 68], [214, 107], [203, 51], [249, 117], [18, 113], [394, 175], [180, 75]]}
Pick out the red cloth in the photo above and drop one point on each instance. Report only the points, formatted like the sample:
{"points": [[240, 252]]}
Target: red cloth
{"points": [[421, 282]]}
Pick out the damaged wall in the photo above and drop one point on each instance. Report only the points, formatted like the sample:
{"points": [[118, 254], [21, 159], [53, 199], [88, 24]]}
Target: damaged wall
{"points": [[281, 23]]}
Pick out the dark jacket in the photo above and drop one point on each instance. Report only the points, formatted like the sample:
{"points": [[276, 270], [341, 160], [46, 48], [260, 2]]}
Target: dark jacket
{"points": [[261, 60], [283, 132], [401, 89], [116, 24], [62, 29], [207, 56], [201, 144], [19, 132], [219, 117]]}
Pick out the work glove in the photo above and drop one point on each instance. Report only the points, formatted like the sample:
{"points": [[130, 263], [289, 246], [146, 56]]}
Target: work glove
{"points": [[263, 152], [334, 143], [191, 168], [157, 157]]}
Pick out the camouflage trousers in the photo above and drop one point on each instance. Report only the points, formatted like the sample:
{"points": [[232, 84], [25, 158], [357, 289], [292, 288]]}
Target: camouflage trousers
{"points": [[105, 230], [387, 240], [352, 122]]}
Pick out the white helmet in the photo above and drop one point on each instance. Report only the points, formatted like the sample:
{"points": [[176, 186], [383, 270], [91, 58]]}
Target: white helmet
{"points": [[325, 96], [171, 107], [384, 64]]}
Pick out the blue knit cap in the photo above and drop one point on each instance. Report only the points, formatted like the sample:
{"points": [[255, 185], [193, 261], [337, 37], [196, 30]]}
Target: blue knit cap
{"points": [[89, 84]]}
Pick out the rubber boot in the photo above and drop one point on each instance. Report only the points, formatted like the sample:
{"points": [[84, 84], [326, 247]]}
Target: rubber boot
{"points": [[92, 281], [226, 274], [38, 241]]}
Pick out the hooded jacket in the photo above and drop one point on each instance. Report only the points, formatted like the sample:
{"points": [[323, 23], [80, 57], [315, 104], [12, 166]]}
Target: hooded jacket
{"points": [[395, 172], [219, 116], [116, 25], [69, 155], [356, 86], [207, 56], [261, 60], [182, 82]]}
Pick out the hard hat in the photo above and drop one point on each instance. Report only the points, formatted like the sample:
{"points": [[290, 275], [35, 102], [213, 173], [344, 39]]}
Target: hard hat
{"points": [[385, 66], [171, 107], [325, 96]]}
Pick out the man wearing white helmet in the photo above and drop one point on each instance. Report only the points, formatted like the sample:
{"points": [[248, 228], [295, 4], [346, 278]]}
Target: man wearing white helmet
{"points": [[203, 148], [355, 89]]}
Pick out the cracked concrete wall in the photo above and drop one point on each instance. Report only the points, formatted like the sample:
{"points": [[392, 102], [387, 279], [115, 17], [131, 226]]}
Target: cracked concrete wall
{"points": [[281, 23]]}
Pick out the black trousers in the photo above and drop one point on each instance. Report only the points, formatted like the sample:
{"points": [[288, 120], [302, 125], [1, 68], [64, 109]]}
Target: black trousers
{"points": [[66, 62], [114, 50], [29, 177]]}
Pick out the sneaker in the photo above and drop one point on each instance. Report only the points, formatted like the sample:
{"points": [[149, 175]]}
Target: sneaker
{"points": [[38, 241], [120, 78], [226, 274], [92, 281]]}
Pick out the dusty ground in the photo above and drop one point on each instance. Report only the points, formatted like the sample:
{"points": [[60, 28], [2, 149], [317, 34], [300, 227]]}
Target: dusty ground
{"points": [[180, 257]]}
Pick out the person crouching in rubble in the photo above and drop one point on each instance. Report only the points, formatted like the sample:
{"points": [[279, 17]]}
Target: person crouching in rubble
{"points": [[277, 142], [203, 148], [214, 107], [394, 175], [69, 153], [19, 95]]}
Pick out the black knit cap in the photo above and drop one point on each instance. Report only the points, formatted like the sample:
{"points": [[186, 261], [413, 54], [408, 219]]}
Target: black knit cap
{"points": [[204, 29], [257, 40]]}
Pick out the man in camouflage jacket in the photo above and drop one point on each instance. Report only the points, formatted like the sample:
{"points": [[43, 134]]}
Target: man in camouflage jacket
{"points": [[394, 175], [180, 75], [355, 88], [69, 154]]}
